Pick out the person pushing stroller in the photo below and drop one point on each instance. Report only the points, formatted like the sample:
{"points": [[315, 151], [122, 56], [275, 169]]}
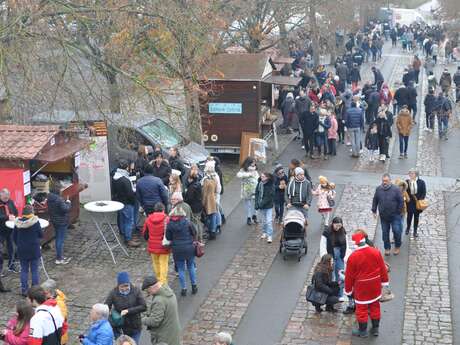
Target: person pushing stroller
{"points": [[299, 193]]}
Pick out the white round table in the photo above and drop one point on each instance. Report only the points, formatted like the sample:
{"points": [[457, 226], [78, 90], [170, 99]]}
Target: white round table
{"points": [[43, 223], [100, 209]]}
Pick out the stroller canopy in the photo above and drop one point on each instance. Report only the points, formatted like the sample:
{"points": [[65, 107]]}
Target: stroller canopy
{"points": [[294, 216]]}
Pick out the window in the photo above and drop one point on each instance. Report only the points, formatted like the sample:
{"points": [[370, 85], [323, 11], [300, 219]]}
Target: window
{"points": [[163, 134]]}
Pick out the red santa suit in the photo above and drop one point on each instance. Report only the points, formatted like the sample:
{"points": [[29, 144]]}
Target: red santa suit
{"points": [[365, 275]]}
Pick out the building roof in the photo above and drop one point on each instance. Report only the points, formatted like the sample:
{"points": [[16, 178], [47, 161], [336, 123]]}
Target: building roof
{"points": [[242, 67], [20, 142]]}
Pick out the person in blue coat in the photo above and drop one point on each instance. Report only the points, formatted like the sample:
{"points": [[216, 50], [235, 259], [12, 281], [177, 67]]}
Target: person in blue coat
{"points": [[27, 234], [181, 232], [100, 331]]}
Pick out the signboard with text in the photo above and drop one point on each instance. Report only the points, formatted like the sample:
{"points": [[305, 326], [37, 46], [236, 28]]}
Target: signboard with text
{"points": [[225, 108]]}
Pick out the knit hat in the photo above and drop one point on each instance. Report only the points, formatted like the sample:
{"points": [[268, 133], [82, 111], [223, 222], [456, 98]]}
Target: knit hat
{"points": [[123, 278], [149, 281], [322, 180], [298, 171]]}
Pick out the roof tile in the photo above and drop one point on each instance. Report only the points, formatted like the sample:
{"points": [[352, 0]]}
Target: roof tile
{"points": [[20, 142]]}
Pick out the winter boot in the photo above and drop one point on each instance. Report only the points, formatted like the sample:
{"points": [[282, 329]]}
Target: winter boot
{"points": [[349, 310], [183, 292], [249, 221], [254, 219], [194, 289], [361, 331], [375, 328], [318, 308]]}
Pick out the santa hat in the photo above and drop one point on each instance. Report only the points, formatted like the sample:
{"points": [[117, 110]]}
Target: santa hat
{"points": [[359, 238]]}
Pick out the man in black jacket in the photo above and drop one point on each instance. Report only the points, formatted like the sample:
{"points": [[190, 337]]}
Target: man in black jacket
{"points": [[123, 192], [175, 162], [378, 77], [430, 105], [127, 301], [401, 97], [309, 121], [412, 93], [161, 168], [59, 212], [8, 212], [388, 200]]}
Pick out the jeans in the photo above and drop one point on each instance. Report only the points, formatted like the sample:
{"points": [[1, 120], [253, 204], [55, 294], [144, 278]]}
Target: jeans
{"points": [[403, 143], [249, 206], [160, 263], [339, 265], [181, 264], [321, 141], [443, 125], [26, 266], [126, 224], [355, 134], [266, 220], [211, 222], [279, 209], [7, 237], [395, 225], [412, 213], [60, 234]]}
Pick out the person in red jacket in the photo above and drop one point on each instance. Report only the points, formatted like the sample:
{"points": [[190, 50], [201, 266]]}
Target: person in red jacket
{"points": [[154, 229], [365, 274]]}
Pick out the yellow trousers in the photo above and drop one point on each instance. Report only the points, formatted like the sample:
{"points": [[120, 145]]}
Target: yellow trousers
{"points": [[160, 264]]}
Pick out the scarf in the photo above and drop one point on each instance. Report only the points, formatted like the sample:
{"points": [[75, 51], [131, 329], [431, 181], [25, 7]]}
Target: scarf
{"points": [[413, 186]]}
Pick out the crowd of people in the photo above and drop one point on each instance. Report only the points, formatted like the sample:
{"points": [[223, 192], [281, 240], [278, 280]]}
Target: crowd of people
{"points": [[182, 205]]}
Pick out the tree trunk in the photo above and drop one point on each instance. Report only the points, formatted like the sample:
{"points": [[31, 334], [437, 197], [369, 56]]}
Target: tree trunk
{"points": [[311, 8], [283, 44], [192, 106], [114, 92]]}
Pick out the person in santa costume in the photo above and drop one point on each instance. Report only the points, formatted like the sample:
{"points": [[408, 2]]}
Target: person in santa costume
{"points": [[365, 275]]}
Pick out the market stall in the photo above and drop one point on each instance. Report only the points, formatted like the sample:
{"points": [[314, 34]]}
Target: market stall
{"points": [[34, 157]]}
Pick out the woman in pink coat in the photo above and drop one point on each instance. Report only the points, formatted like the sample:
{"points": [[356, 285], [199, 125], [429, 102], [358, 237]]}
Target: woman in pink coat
{"points": [[332, 135], [326, 195], [17, 329]]}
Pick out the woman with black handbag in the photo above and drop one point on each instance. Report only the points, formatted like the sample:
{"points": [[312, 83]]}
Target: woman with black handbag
{"points": [[417, 191], [323, 290]]}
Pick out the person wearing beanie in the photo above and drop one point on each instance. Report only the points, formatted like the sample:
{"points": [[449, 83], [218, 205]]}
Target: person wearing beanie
{"points": [[365, 275], [326, 195], [299, 193], [27, 234], [126, 304]]}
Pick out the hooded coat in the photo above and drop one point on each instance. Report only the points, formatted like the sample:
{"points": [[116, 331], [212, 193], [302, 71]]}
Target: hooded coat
{"points": [[58, 210], [162, 318], [404, 122], [389, 201], [27, 234], [122, 188], [156, 224], [181, 233]]}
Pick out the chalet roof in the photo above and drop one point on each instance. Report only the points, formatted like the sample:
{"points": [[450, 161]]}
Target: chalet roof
{"points": [[242, 67], [22, 142]]}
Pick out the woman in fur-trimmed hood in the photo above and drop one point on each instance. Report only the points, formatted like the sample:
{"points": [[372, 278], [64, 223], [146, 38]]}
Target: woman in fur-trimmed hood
{"points": [[27, 234]]}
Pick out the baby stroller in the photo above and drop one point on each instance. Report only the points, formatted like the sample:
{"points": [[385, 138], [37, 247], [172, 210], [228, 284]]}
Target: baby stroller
{"points": [[293, 237]]}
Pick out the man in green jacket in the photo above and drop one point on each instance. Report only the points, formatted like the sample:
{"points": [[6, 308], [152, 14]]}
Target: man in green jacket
{"points": [[162, 316]]}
